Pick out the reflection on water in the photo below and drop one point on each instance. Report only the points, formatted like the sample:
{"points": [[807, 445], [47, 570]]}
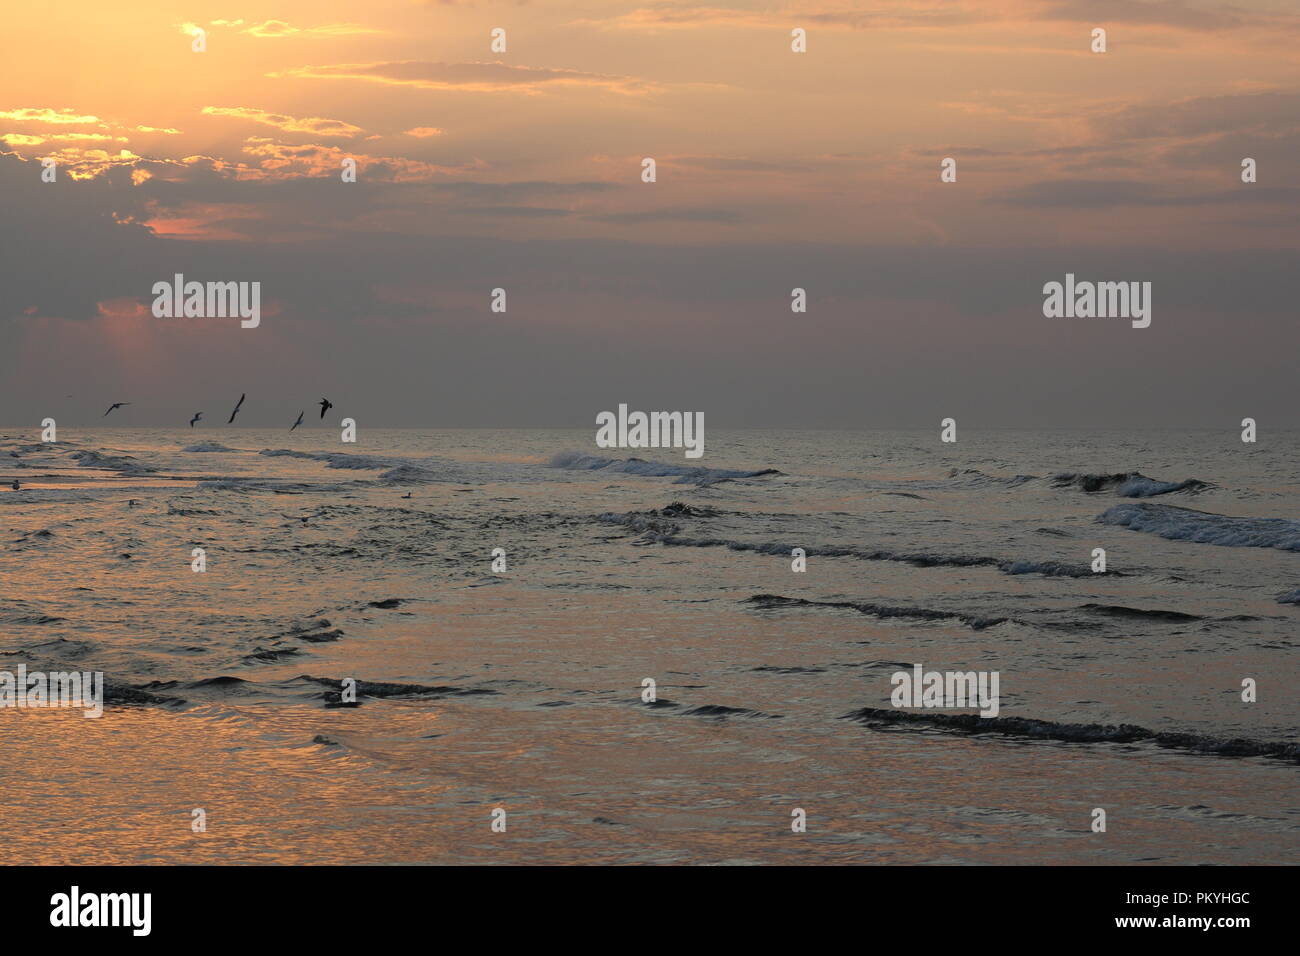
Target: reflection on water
{"points": [[522, 690]]}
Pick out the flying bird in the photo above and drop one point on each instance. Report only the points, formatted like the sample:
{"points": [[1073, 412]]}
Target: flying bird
{"points": [[198, 416], [297, 423], [242, 396], [325, 406], [115, 405]]}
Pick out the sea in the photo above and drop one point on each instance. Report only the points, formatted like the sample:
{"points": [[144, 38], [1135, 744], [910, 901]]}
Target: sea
{"points": [[500, 646]]}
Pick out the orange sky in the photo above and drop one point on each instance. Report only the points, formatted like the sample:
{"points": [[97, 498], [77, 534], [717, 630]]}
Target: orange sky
{"points": [[842, 140], [757, 146]]}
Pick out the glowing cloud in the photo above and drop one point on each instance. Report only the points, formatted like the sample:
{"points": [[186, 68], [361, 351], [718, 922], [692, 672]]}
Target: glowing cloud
{"points": [[315, 125], [473, 77], [46, 115]]}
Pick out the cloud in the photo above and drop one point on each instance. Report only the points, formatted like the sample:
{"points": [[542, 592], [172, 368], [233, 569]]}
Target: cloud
{"points": [[1223, 329], [423, 132], [522, 212], [277, 161], [274, 29], [1102, 194], [682, 214], [46, 115], [83, 164], [937, 14], [472, 77], [1274, 110], [730, 164], [23, 139], [310, 124], [848, 15], [1169, 13]]}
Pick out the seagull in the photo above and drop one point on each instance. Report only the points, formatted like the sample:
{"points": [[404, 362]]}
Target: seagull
{"points": [[197, 417], [325, 406], [242, 396], [115, 405], [298, 422]]}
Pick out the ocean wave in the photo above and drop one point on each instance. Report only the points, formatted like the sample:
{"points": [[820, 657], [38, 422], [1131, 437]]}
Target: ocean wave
{"points": [[379, 689], [1126, 484], [685, 474], [335, 459], [207, 446], [977, 478], [722, 711], [1203, 527], [116, 692], [318, 631], [661, 527], [974, 621], [1155, 614], [1129, 484], [190, 512], [279, 486], [30, 447], [30, 618], [270, 655], [411, 475], [124, 464], [1290, 597], [1031, 729]]}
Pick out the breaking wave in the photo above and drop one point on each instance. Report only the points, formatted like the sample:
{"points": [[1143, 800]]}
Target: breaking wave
{"points": [[685, 474], [1130, 484], [1203, 527]]}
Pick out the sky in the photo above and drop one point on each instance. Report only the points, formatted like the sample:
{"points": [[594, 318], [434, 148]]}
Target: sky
{"points": [[775, 170]]}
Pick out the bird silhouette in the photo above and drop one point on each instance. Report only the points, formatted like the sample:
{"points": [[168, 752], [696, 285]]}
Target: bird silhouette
{"points": [[236, 411], [297, 423], [15, 485], [325, 406], [198, 416], [115, 405]]}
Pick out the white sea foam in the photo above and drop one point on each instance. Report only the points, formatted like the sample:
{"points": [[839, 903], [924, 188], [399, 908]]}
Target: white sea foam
{"points": [[685, 474], [1184, 524]]}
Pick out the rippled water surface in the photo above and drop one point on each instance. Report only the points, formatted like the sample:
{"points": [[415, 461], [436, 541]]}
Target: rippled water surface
{"points": [[522, 689]]}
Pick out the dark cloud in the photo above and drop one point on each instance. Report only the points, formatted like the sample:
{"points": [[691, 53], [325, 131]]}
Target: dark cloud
{"points": [[399, 323], [681, 214], [1204, 115], [1104, 194], [1172, 13]]}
